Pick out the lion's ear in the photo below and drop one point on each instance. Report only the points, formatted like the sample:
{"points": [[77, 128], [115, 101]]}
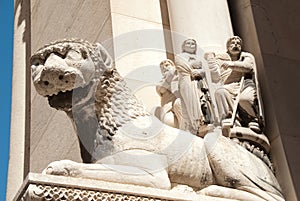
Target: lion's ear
{"points": [[104, 55]]}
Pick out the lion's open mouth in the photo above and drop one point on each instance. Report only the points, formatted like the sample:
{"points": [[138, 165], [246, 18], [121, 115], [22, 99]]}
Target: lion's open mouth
{"points": [[61, 101], [67, 100]]}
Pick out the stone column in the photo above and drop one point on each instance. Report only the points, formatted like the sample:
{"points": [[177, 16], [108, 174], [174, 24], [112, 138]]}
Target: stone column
{"points": [[206, 21], [18, 166], [139, 46]]}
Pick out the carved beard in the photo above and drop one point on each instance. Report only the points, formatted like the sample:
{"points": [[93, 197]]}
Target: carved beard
{"points": [[235, 50]]}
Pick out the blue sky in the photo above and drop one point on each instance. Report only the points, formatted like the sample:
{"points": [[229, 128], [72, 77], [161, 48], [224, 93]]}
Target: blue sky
{"points": [[6, 44]]}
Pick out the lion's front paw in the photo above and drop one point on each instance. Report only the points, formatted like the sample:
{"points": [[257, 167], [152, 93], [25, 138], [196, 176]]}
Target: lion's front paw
{"points": [[63, 168]]}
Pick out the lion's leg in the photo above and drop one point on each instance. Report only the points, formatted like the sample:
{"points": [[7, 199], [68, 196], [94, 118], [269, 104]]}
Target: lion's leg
{"points": [[230, 193], [235, 167], [118, 169], [266, 195]]}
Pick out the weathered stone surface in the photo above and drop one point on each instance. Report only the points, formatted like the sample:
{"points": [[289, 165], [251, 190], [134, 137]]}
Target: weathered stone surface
{"points": [[262, 10], [91, 20], [236, 167], [126, 139], [39, 187]]}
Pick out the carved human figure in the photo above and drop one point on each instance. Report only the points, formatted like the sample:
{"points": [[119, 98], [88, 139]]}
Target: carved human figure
{"points": [[192, 86], [170, 110], [235, 71]]}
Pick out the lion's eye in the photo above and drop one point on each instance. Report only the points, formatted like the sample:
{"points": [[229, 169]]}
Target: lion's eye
{"points": [[72, 54], [37, 62]]}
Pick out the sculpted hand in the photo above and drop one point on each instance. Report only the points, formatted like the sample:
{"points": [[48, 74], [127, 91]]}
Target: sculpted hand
{"points": [[227, 64], [209, 56], [196, 64], [197, 74]]}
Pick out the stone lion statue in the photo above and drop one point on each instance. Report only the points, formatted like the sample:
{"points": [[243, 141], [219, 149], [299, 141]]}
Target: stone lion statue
{"points": [[121, 142]]}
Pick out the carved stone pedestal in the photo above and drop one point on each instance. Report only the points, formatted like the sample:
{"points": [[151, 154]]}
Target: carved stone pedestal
{"points": [[39, 187]]}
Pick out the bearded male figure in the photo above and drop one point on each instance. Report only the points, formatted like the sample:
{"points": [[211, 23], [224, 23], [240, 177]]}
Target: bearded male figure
{"points": [[235, 70]]}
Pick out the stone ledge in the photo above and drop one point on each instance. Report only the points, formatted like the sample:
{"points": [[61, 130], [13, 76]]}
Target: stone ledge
{"points": [[38, 187]]}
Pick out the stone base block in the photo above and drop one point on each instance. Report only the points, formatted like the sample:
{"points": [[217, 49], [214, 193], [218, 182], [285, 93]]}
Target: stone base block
{"points": [[39, 187]]}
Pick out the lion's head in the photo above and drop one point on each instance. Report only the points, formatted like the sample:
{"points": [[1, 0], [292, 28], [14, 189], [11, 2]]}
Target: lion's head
{"points": [[63, 66]]}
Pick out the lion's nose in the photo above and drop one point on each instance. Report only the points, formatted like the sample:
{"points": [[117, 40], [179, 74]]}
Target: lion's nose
{"points": [[54, 73], [55, 76]]}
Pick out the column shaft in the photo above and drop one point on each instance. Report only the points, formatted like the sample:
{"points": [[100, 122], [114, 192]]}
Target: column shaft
{"points": [[206, 21]]}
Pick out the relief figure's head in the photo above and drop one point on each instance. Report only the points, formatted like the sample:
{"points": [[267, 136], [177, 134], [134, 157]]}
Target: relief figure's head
{"points": [[166, 66], [234, 46], [189, 46]]}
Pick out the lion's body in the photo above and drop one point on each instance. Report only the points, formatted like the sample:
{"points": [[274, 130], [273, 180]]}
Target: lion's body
{"points": [[114, 128]]}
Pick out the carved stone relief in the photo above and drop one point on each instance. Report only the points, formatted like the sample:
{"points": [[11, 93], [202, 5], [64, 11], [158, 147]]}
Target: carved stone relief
{"points": [[237, 94], [126, 144], [170, 110], [236, 91], [56, 193]]}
